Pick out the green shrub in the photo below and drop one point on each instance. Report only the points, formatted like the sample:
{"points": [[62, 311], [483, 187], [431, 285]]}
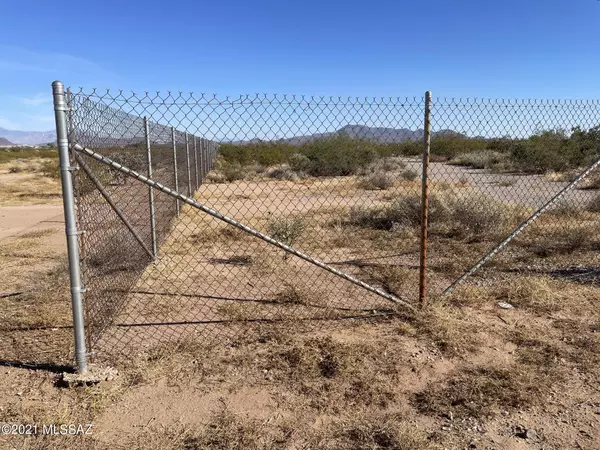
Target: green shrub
{"points": [[338, 156]]}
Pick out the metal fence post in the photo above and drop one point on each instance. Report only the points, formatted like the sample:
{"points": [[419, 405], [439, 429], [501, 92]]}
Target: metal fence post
{"points": [[62, 139], [150, 189], [425, 202], [175, 167], [187, 159], [202, 158], [196, 162]]}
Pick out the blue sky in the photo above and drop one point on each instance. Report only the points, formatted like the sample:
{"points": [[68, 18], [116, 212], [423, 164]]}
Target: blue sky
{"points": [[508, 48]]}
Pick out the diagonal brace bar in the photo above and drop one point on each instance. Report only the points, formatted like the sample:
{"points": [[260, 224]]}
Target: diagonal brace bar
{"points": [[110, 201], [235, 223]]}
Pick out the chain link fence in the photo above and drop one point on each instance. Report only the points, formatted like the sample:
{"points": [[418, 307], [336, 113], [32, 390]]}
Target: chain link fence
{"points": [[211, 218]]}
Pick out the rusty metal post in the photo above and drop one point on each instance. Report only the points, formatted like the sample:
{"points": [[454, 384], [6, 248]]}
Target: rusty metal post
{"points": [[425, 202]]}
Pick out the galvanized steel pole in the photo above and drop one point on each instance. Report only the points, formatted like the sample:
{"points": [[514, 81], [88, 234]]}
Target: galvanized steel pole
{"points": [[150, 190], [196, 162], [425, 202], [62, 140], [187, 158], [175, 167]]}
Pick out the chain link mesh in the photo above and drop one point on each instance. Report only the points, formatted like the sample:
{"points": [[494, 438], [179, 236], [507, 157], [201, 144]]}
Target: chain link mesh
{"points": [[336, 178], [495, 166]]}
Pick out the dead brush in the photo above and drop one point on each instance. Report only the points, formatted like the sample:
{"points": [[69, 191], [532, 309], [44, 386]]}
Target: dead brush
{"points": [[393, 279], [539, 294], [177, 361], [594, 205], [373, 431], [376, 181], [564, 208], [448, 328], [281, 172], [562, 240], [483, 391], [331, 375], [225, 430]]}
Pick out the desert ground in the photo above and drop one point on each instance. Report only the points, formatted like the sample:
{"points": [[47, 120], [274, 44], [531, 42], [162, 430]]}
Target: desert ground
{"points": [[464, 373]]}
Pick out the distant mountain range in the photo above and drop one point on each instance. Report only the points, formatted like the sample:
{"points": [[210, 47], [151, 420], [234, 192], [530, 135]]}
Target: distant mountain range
{"points": [[5, 142], [27, 137], [377, 134]]}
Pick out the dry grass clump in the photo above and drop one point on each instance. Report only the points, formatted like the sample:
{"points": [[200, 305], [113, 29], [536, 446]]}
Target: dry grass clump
{"points": [[533, 293], [560, 177], [542, 294], [394, 279], [594, 205], [297, 295], [562, 240], [483, 391], [376, 181], [331, 375], [23, 165], [227, 431], [377, 431], [591, 182], [449, 214], [29, 189], [565, 208], [448, 328]]}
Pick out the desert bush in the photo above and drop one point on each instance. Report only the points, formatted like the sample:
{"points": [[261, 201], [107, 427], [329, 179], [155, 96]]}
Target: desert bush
{"points": [[405, 211], [409, 174], [594, 205], [474, 215], [299, 162], [50, 168], [550, 150], [281, 172], [448, 215], [376, 180], [227, 172], [286, 230], [480, 159], [565, 208], [17, 167], [386, 165], [338, 156], [448, 147]]}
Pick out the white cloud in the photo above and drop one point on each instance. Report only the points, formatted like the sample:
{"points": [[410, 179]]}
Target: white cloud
{"points": [[37, 99], [8, 124], [20, 59]]}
